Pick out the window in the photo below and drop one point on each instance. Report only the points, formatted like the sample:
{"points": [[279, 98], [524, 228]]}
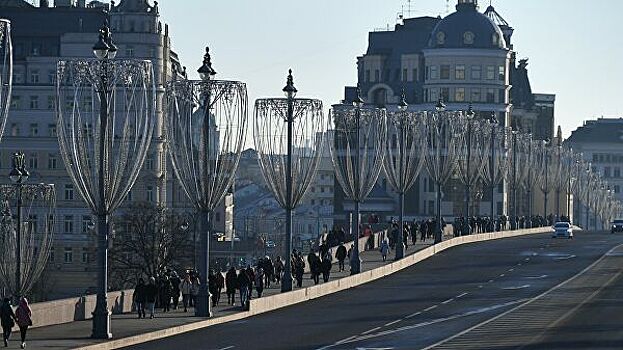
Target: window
{"points": [[52, 130], [52, 161], [445, 94], [377, 75], [490, 73], [69, 255], [85, 256], [502, 96], [321, 189], [476, 72], [33, 161], [34, 102], [34, 129], [16, 102], [34, 76], [14, 129], [607, 172], [459, 73], [51, 76], [459, 95], [149, 162], [68, 224], [476, 95], [434, 72], [86, 222], [69, 192], [415, 77], [617, 172], [405, 74], [434, 96], [501, 73], [313, 202], [468, 38], [129, 51], [445, 72], [51, 102], [490, 95], [150, 193], [368, 75], [617, 189]]}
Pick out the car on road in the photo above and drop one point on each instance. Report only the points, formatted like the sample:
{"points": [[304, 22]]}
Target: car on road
{"points": [[617, 226], [562, 229]]}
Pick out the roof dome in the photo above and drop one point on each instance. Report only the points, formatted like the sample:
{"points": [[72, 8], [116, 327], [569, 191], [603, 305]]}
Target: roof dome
{"points": [[467, 28]]}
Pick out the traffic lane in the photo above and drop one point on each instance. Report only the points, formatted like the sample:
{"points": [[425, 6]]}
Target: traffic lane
{"points": [[327, 320], [598, 324], [536, 271]]}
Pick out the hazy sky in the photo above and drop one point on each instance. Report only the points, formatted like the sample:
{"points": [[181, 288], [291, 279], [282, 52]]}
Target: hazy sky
{"points": [[575, 47]]}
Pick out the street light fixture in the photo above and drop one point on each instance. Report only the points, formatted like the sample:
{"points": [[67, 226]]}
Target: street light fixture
{"points": [[6, 72], [206, 129], [289, 137], [106, 119]]}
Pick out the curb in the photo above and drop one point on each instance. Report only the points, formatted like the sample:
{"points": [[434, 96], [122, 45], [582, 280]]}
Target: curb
{"points": [[275, 302]]}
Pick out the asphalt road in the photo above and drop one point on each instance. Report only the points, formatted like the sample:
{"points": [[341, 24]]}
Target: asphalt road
{"points": [[423, 305]]}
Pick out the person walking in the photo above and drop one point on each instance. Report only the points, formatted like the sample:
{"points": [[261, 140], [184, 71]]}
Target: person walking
{"points": [[139, 298], [23, 315], [299, 270], [326, 267], [384, 249], [212, 286], [340, 255], [278, 269], [243, 284], [259, 281], [186, 289], [194, 289], [175, 285], [231, 284], [315, 266], [220, 284], [7, 319], [166, 290], [151, 294]]}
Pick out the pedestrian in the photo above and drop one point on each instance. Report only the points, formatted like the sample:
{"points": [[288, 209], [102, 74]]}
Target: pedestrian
{"points": [[384, 249], [7, 319], [186, 288], [220, 284], [315, 266], [151, 294], [165, 292], [340, 255], [175, 288], [139, 298], [299, 270], [326, 267], [194, 289], [244, 285], [23, 315], [231, 283], [259, 281], [212, 286], [278, 269]]}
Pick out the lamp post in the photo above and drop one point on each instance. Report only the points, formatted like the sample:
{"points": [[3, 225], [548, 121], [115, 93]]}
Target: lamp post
{"points": [[6, 72], [19, 175], [495, 168], [289, 138], [403, 159], [357, 146], [206, 129], [104, 159]]}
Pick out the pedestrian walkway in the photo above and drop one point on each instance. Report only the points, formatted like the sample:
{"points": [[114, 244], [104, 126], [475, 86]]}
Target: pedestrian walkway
{"points": [[76, 334]]}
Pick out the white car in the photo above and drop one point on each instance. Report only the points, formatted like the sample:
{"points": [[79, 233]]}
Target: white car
{"points": [[562, 229]]}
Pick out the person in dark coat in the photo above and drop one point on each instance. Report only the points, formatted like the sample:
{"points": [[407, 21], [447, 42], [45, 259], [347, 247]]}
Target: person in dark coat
{"points": [[165, 292], [151, 294], [212, 286], [315, 267], [7, 319], [299, 270], [220, 284], [175, 289], [231, 284], [245, 287], [139, 298], [326, 267], [340, 255]]}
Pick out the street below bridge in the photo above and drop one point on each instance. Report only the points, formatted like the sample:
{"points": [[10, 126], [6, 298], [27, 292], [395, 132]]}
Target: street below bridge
{"points": [[531, 292]]}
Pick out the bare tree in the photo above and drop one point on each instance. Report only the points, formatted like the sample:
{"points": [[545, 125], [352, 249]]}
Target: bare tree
{"points": [[148, 240]]}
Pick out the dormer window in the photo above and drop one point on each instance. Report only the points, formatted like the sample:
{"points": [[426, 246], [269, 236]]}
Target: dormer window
{"points": [[468, 38], [495, 39], [441, 38]]}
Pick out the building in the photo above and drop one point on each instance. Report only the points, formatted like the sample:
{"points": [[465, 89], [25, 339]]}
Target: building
{"points": [[43, 35], [465, 58], [600, 142]]}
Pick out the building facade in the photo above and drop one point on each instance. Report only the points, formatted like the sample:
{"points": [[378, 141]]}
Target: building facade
{"points": [[466, 58]]}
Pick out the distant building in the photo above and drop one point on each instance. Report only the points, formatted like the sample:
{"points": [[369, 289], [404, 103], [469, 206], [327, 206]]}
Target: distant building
{"points": [[600, 142], [465, 58]]}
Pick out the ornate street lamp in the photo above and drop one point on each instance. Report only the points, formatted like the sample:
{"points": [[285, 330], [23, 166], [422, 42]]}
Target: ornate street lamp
{"points": [[403, 157], [470, 158], [521, 158], [443, 135], [545, 180], [357, 146], [496, 165], [106, 118], [6, 72], [26, 245], [206, 131], [289, 139]]}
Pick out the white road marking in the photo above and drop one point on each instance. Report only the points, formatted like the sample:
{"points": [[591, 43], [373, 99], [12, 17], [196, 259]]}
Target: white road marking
{"points": [[536, 277], [448, 301], [371, 331], [415, 314], [461, 295], [490, 281], [566, 257], [511, 270], [527, 259], [227, 348], [430, 308], [518, 287], [479, 286], [392, 323], [502, 275]]}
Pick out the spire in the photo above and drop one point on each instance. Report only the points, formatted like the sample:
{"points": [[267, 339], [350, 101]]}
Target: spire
{"points": [[496, 18]]}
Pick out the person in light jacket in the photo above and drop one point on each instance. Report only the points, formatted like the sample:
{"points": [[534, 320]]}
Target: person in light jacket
{"points": [[186, 289]]}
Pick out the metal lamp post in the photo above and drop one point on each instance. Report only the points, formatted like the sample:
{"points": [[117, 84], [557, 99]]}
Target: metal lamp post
{"points": [[20, 264], [357, 146], [403, 159], [289, 138], [206, 129], [441, 141], [106, 119], [495, 168], [6, 72]]}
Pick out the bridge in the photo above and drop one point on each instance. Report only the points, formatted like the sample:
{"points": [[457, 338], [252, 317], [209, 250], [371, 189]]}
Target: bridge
{"points": [[529, 290]]}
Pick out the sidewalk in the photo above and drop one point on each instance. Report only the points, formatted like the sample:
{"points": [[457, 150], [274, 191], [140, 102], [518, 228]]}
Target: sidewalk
{"points": [[76, 334]]}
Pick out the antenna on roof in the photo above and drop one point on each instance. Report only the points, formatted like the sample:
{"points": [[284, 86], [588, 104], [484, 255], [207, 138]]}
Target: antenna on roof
{"points": [[447, 7]]}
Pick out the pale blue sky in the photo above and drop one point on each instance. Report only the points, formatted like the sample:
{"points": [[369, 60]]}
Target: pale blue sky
{"points": [[575, 47]]}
